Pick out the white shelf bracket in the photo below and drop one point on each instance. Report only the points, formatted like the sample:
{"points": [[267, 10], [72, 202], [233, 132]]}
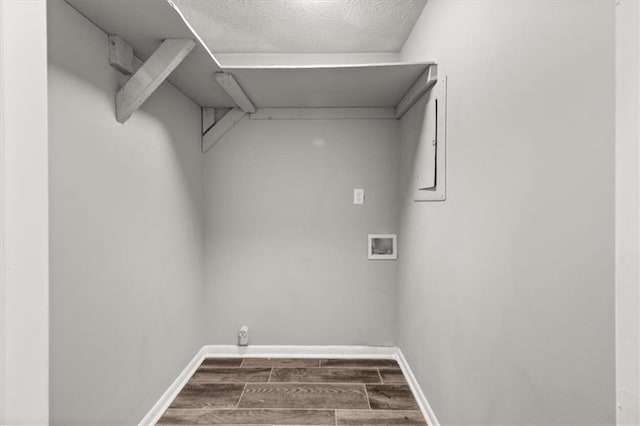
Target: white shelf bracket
{"points": [[235, 92], [150, 75], [208, 119], [120, 55], [220, 128], [426, 81]]}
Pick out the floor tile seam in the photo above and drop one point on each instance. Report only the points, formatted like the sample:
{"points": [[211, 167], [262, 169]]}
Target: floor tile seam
{"points": [[365, 410], [417, 411], [244, 367], [352, 367], [296, 409], [375, 410], [208, 382], [366, 392], [244, 424], [271, 409], [241, 394], [304, 368], [307, 383], [220, 367]]}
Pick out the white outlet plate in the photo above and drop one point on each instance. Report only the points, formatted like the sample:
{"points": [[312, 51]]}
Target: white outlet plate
{"points": [[243, 336]]}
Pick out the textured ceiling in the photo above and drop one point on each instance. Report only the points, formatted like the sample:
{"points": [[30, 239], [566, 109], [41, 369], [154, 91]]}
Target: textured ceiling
{"points": [[302, 26]]}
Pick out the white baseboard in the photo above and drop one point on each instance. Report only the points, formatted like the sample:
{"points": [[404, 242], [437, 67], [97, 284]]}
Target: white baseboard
{"points": [[263, 351], [258, 351], [152, 417], [427, 412]]}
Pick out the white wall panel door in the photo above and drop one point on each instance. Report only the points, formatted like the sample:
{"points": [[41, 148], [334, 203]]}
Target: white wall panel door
{"points": [[24, 255], [426, 156]]}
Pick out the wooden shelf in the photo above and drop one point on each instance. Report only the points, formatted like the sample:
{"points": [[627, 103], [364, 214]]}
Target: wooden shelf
{"points": [[144, 24], [375, 85]]}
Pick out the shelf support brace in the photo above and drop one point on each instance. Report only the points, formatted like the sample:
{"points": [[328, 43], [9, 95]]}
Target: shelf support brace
{"points": [[219, 129], [150, 75], [120, 55], [425, 82], [208, 119], [233, 89]]}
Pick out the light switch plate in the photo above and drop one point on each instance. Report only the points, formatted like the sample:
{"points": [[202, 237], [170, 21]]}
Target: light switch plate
{"points": [[358, 196]]}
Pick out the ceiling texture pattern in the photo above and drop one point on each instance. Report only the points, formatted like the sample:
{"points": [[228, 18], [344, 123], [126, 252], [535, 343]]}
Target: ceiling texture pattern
{"points": [[302, 26]]}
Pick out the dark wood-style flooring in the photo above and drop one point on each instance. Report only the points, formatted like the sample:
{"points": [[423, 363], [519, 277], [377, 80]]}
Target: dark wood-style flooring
{"points": [[286, 391]]}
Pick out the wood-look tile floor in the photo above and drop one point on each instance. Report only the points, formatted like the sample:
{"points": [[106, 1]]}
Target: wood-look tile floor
{"points": [[286, 391]]}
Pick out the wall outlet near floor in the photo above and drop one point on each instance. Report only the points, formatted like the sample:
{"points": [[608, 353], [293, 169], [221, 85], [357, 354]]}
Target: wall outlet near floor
{"points": [[243, 336]]}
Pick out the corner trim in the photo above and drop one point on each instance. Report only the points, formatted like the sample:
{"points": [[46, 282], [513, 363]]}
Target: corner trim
{"points": [[264, 351]]}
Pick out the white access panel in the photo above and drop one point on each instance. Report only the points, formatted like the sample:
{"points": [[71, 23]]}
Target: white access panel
{"points": [[426, 156], [430, 165]]}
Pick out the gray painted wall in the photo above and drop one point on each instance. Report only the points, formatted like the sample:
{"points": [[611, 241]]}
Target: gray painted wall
{"points": [[126, 234], [286, 247], [506, 290], [504, 297]]}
